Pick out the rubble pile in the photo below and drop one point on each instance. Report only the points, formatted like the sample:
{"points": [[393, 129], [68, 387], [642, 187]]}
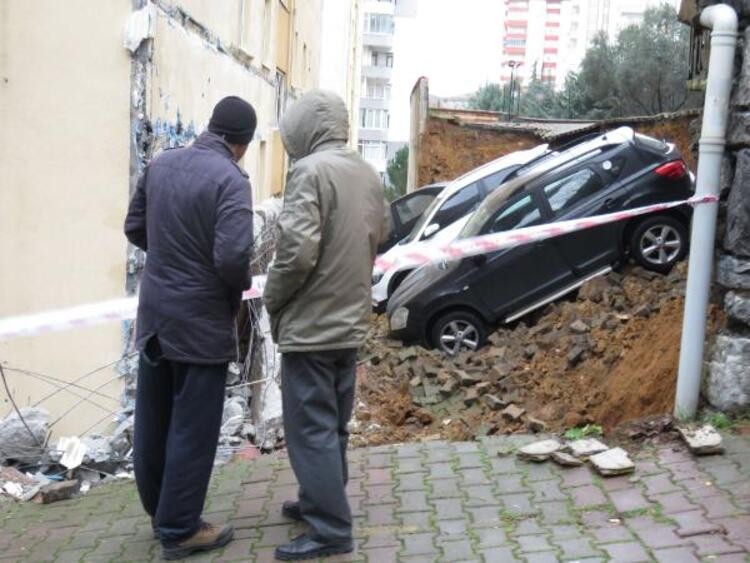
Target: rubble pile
{"points": [[606, 355]]}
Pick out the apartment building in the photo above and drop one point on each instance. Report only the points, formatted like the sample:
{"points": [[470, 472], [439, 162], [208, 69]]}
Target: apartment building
{"points": [[380, 23], [90, 91], [550, 37], [341, 53]]}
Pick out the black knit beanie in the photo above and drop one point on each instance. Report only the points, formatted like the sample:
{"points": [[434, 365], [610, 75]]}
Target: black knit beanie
{"points": [[234, 119]]}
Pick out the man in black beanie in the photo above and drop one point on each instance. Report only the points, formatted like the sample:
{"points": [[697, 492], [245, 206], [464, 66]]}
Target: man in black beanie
{"points": [[191, 213]]}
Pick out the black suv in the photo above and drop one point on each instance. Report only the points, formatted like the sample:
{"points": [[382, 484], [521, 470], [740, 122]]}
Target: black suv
{"points": [[451, 304]]}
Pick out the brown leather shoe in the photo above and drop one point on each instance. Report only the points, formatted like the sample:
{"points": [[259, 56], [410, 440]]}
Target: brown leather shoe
{"points": [[207, 538]]}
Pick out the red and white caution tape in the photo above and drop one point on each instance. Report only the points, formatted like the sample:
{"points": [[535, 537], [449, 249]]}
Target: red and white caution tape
{"points": [[121, 309], [88, 315], [462, 248]]}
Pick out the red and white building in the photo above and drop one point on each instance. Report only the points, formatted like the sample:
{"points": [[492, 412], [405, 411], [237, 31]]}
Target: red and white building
{"points": [[551, 36]]}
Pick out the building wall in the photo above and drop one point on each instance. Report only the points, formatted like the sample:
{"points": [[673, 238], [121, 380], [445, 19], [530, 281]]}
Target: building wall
{"points": [[552, 36], [341, 48], [81, 115], [65, 173]]}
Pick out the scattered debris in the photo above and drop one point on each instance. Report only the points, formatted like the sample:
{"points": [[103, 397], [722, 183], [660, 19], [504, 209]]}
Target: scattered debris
{"points": [[513, 413], [57, 491], [539, 451], [72, 450], [565, 459], [702, 441], [22, 439], [586, 447], [612, 462]]}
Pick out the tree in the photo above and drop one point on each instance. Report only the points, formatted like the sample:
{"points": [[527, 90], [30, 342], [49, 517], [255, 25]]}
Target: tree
{"points": [[653, 64], [490, 97], [397, 170]]}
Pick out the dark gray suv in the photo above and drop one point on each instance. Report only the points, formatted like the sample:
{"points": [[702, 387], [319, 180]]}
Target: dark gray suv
{"points": [[452, 305]]}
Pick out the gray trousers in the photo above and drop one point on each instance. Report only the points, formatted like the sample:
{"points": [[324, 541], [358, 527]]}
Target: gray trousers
{"points": [[318, 395]]}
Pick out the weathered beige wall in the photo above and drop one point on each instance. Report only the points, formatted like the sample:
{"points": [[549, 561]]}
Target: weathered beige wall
{"points": [[64, 169], [65, 130], [188, 76]]}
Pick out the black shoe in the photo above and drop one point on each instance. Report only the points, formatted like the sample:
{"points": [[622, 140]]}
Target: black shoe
{"points": [[304, 547], [290, 509]]}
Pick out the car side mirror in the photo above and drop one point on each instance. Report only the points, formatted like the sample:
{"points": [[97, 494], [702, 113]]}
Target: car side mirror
{"points": [[430, 230]]}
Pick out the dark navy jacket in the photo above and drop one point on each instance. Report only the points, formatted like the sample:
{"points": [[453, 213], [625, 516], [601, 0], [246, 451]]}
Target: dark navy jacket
{"points": [[191, 213]]}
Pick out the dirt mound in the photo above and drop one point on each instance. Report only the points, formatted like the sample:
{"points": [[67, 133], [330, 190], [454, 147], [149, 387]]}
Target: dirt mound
{"points": [[607, 356]]}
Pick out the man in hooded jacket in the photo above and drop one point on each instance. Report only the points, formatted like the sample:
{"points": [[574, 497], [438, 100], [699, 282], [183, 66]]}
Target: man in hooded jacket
{"points": [[318, 296]]}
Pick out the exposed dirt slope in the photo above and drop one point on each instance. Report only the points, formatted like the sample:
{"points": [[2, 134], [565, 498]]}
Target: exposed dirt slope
{"points": [[607, 356]]}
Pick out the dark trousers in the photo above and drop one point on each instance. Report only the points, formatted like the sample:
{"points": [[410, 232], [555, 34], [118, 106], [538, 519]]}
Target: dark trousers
{"points": [[178, 413], [318, 395]]}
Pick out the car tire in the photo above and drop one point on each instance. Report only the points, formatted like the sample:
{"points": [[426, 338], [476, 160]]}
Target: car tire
{"points": [[465, 326], [658, 243]]}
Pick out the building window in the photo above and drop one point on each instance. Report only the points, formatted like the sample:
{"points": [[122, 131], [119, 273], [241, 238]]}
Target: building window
{"points": [[373, 150], [379, 23], [389, 60], [374, 118], [376, 89]]}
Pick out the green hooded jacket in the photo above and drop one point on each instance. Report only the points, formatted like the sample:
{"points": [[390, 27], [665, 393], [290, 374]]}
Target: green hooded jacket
{"points": [[334, 216]]}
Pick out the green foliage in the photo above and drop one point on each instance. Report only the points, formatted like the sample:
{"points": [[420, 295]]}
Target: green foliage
{"points": [[397, 170], [718, 420], [580, 432], [490, 97], [642, 72]]}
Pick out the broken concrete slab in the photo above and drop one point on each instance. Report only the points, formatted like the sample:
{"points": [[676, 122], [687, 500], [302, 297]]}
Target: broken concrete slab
{"points": [[702, 441], [471, 397], [513, 413], [565, 459], [535, 425], [579, 327], [539, 451], [494, 402], [576, 355], [467, 380], [586, 447], [612, 462], [57, 491]]}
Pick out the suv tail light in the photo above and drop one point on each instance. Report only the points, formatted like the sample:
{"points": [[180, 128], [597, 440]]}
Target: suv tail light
{"points": [[672, 170]]}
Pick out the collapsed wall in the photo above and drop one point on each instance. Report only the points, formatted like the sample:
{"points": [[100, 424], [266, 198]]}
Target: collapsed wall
{"points": [[452, 144]]}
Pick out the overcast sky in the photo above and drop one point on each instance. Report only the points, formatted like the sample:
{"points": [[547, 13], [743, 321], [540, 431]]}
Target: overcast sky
{"points": [[455, 43]]}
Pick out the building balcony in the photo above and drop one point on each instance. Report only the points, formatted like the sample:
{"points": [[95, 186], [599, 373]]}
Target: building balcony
{"points": [[384, 72], [374, 103], [366, 134], [382, 40]]}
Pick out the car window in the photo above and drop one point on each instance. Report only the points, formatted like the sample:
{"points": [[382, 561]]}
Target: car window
{"points": [[458, 205], [522, 213], [493, 181], [410, 208], [566, 192]]}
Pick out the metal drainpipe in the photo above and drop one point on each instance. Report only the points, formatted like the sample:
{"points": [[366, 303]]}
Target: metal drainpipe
{"points": [[723, 21]]}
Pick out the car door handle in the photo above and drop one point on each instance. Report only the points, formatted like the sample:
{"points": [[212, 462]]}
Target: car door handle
{"points": [[609, 203]]}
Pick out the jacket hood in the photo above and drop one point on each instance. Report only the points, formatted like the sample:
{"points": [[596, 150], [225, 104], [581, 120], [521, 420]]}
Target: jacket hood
{"points": [[318, 118]]}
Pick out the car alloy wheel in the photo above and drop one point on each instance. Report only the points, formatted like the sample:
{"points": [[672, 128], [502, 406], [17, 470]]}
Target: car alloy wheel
{"points": [[660, 245], [458, 331]]}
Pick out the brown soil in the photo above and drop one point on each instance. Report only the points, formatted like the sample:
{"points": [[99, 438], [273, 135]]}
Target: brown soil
{"points": [[449, 149], [627, 369]]}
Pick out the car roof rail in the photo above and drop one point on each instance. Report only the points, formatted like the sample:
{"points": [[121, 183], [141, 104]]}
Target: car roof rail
{"points": [[562, 149]]}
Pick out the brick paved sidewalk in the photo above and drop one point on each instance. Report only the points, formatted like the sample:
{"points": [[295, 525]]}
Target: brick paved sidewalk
{"points": [[438, 502]]}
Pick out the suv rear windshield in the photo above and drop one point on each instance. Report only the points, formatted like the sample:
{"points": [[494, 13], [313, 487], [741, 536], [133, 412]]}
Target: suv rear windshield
{"points": [[651, 143]]}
